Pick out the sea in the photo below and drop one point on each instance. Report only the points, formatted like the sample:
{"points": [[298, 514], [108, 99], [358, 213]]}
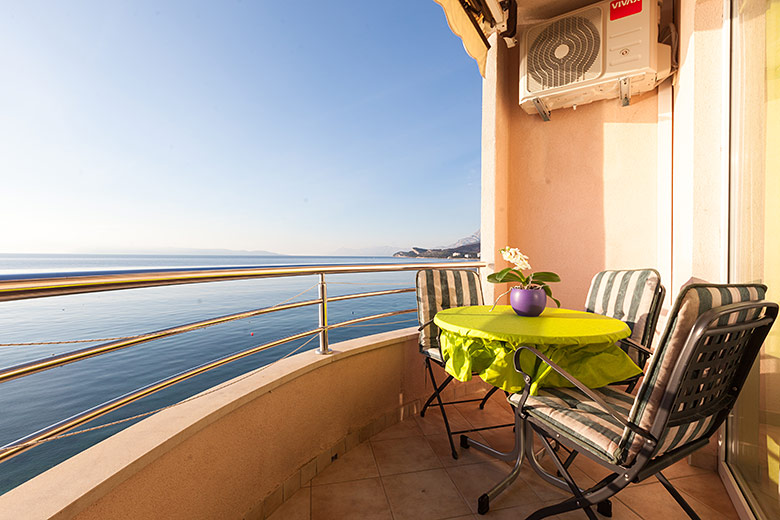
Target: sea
{"points": [[31, 403]]}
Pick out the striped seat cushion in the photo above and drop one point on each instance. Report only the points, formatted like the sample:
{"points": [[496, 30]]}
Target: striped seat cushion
{"points": [[693, 301], [433, 352], [574, 415], [628, 296], [439, 289]]}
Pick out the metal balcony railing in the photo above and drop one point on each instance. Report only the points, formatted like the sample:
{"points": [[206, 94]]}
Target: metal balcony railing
{"points": [[26, 288]]}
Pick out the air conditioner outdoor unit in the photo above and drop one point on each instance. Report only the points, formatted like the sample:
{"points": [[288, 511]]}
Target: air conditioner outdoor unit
{"points": [[606, 50]]}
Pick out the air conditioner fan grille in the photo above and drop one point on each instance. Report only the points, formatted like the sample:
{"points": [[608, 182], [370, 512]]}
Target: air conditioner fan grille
{"points": [[563, 53]]}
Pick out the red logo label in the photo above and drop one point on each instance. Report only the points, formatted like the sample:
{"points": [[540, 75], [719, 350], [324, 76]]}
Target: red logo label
{"points": [[622, 8]]}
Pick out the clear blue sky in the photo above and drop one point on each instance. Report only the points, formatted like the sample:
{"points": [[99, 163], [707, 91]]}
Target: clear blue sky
{"points": [[295, 127]]}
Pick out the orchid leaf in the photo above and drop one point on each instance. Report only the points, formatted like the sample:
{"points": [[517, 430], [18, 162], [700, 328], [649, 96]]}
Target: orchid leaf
{"points": [[548, 292], [506, 275], [545, 276]]}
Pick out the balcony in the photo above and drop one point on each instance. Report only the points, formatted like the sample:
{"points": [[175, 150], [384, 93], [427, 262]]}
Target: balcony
{"points": [[317, 436]]}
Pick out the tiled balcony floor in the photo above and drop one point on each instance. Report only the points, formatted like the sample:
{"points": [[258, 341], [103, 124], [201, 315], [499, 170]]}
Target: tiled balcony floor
{"points": [[407, 472]]}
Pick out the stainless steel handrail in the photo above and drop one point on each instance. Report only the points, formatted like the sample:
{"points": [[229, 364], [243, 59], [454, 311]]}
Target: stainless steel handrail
{"points": [[61, 285], [39, 365], [79, 284], [25, 443]]}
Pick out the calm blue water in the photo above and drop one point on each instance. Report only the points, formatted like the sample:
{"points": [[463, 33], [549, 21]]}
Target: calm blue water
{"points": [[34, 402]]}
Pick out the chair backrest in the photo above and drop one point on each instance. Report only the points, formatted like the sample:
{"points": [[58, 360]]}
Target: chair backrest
{"points": [[708, 345], [439, 289], [634, 296]]}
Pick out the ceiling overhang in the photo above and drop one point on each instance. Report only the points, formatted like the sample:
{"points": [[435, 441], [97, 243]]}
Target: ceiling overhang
{"points": [[474, 21]]}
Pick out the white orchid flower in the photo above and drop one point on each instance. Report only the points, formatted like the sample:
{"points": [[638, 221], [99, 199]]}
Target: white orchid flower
{"points": [[514, 256]]}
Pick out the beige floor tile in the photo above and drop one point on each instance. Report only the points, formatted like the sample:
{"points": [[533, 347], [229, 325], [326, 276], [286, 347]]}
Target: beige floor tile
{"points": [[679, 469], [357, 463], [424, 495], [404, 455], [441, 447], [474, 480], [491, 415], [653, 502], [433, 423], [502, 439], [512, 513], [581, 478], [707, 510], [401, 430], [545, 491], [592, 469], [708, 490], [619, 512], [358, 500], [298, 507]]}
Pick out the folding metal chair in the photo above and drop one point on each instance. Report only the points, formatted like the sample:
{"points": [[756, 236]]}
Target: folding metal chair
{"points": [[694, 378], [634, 296], [439, 289]]}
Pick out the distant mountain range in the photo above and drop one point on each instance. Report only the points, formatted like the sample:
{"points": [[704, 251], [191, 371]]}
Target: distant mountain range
{"points": [[470, 240], [184, 251], [467, 247], [366, 251], [464, 248], [223, 252]]}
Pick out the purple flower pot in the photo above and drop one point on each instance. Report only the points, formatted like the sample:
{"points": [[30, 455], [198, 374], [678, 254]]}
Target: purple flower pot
{"points": [[527, 302]]}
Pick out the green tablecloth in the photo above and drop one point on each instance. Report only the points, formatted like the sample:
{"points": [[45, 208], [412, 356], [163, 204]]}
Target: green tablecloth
{"points": [[474, 340]]}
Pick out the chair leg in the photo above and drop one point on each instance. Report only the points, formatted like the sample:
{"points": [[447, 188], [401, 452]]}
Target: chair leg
{"points": [[598, 495], [579, 500], [436, 395], [569, 459], [487, 396], [436, 389], [677, 496]]}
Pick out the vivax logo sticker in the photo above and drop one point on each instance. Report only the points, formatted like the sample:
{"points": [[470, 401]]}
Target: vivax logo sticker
{"points": [[622, 8]]}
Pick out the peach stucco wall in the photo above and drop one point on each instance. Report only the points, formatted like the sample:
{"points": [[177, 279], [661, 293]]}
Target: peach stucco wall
{"points": [[611, 187], [580, 191]]}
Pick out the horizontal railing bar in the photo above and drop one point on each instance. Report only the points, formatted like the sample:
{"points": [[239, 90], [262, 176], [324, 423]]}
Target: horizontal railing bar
{"points": [[367, 318], [25, 443], [39, 365], [367, 294], [20, 289], [65, 358]]}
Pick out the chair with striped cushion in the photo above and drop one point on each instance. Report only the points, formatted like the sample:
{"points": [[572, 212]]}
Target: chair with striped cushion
{"points": [[693, 380], [634, 296], [439, 289]]}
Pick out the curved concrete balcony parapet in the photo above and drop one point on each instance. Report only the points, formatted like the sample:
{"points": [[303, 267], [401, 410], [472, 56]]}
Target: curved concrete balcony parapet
{"points": [[240, 449]]}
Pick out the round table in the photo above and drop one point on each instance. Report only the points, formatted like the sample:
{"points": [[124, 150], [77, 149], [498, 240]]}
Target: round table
{"points": [[475, 340]]}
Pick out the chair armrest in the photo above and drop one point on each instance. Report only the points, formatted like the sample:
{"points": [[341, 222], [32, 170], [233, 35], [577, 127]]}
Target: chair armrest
{"points": [[421, 327], [638, 346], [581, 387]]}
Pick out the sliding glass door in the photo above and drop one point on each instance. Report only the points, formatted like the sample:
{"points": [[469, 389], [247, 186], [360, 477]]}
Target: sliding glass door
{"points": [[752, 448]]}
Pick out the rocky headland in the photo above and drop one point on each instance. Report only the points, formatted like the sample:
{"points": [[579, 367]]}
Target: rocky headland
{"points": [[464, 248]]}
